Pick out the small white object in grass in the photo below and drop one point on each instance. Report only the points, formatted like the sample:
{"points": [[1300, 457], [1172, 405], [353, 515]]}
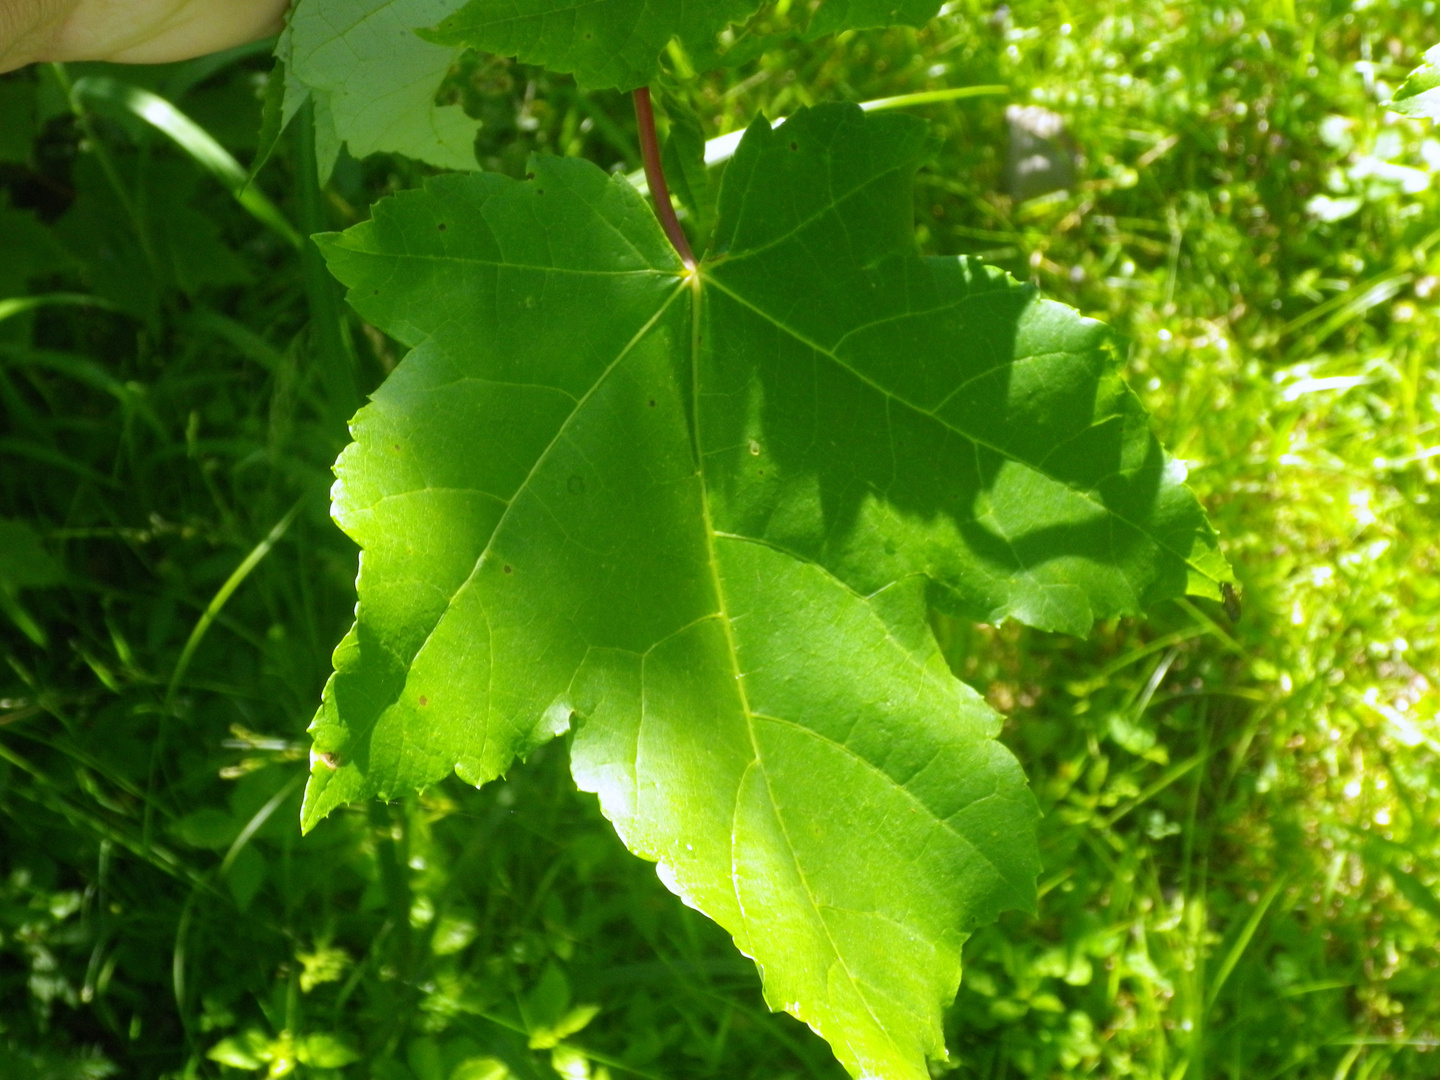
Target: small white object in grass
{"points": [[1301, 387], [1324, 208]]}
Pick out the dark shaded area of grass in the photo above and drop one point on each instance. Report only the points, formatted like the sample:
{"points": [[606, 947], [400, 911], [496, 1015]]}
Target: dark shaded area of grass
{"points": [[1240, 844]]}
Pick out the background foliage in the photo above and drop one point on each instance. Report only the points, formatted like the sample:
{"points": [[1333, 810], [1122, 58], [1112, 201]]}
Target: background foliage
{"points": [[1241, 872]]}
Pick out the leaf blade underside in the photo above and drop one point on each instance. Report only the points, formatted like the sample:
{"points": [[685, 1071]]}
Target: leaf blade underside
{"points": [[701, 519], [374, 80]]}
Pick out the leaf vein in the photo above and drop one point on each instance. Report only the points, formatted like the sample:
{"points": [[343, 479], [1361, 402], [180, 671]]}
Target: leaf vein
{"points": [[1084, 493]]}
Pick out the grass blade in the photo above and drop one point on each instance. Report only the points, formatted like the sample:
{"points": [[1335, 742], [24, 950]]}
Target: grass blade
{"points": [[233, 582], [19, 305], [330, 338], [1242, 940], [195, 141]]}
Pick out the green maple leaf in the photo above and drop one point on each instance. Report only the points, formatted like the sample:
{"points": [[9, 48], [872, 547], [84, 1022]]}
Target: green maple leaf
{"points": [[616, 43], [374, 80], [373, 69], [698, 518], [1419, 96]]}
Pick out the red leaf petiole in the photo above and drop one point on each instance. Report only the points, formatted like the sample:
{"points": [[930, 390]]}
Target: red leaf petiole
{"points": [[655, 176]]}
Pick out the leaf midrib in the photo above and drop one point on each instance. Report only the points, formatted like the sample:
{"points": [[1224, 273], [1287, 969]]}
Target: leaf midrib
{"points": [[697, 284]]}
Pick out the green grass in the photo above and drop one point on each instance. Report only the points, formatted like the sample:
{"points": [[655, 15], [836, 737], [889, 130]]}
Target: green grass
{"points": [[1241, 858]]}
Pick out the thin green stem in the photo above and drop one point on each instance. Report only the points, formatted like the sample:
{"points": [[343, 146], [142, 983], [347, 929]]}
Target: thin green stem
{"points": [[330, 339]]}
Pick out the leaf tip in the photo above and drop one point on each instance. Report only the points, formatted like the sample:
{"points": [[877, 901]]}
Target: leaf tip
{"points": [[328, 242], [316, 806]]}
